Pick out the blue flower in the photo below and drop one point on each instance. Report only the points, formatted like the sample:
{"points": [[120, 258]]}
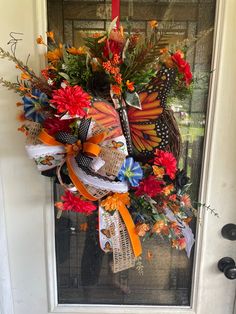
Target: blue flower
{"points": [[131, 171], [33, 106]]}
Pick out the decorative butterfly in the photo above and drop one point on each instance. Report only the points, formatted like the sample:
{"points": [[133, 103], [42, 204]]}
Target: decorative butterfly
{"points": [[117, 145], [107, 247], [47, 160], [107, 116], [145, 129], [109, 232]]}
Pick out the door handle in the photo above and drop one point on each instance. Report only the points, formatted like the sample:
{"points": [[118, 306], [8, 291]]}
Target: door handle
{"points": [[229, 232], [227, 266]]}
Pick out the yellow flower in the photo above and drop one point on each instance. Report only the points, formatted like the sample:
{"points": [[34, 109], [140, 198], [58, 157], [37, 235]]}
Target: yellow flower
{"points": [[51, 36], [167, 189], [116, 201], [158, 171], [77, 51], [153, 24]]}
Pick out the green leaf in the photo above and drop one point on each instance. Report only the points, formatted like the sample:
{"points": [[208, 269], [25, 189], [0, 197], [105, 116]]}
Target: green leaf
{"points": [[66, 77], [132, 99], [65, 54]]}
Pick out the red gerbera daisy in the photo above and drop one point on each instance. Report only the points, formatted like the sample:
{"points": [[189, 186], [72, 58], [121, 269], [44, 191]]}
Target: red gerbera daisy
{"points": [[167, 161], [72, 100], [150, 186], [76, 204]]}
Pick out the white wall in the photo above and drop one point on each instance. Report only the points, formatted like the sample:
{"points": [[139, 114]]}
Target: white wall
{"points": [[23, 187]]}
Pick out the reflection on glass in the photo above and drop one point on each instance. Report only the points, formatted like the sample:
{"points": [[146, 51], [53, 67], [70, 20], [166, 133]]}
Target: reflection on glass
{"points": [[83, 270]]}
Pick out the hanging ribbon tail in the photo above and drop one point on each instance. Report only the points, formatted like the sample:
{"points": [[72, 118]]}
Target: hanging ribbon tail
{"points": [[134, 238], [114, 237]]}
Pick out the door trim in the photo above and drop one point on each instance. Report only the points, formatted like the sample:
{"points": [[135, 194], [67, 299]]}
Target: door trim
{"points": [[6, 296], [53, 306]]}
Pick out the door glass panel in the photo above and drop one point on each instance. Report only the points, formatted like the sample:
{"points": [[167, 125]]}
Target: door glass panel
{"points": [[84, 272]]}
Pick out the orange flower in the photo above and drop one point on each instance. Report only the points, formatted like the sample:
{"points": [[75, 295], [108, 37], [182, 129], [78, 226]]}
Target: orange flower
{"points": [[77, 51], [164, 51], [23, 129], [179, 243], [174, 208], [83, 227], [21, 116], [141, 229], [188, 220], [130, 85], [107, 66], [168, 62], [118, 78], [25, 76], [116, 59], [149, 255], [167, 189], [59, 205], [172, 197], [19, 104], [55, 55], [22, 88], [116, 201], [114, 70], [158, 226], [186, 201], [51, 35], [165, 231], [40, 41], [153, 24], [158, 171], [116, 90]]}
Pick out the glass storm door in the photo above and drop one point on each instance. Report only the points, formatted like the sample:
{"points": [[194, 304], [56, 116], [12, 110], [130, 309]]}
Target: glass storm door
{"points": [[56, 266], [83, 271]]}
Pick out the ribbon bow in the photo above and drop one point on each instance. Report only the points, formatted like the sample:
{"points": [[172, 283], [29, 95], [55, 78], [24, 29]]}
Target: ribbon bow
{"points": [[77, 148]]}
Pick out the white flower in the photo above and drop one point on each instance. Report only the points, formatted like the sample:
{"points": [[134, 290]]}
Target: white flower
{"points": [[50, 81]]}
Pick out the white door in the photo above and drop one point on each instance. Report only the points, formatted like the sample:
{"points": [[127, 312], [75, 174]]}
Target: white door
{"points": [[27, 263]]}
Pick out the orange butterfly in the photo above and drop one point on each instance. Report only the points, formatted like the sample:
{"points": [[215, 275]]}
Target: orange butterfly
{"points": [[47, 160], [107, 116], [147, 127], [108, 247], [117, 145], [148, 131]]}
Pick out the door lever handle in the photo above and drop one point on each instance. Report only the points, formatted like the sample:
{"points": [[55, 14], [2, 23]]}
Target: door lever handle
{"points": [[227, 266], [229, 232]]}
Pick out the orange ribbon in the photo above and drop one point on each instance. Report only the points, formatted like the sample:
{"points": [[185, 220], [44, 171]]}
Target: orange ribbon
{"points": [[90, 147], [134, 238]]}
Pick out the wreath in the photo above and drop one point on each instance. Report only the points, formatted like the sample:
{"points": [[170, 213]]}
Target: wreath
{"points": [[97, 120]]}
